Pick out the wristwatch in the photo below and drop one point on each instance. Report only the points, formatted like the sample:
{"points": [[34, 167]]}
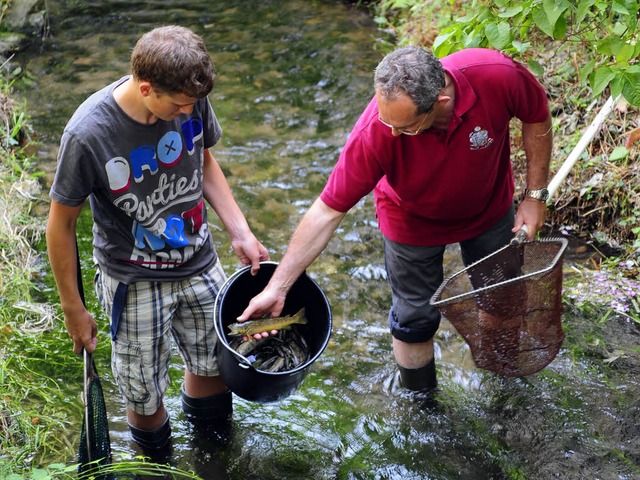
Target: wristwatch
{"points": [[541, 194]]}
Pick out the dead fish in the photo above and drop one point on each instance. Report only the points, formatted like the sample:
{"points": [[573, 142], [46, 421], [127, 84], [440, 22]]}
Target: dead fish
{"points": [[273, 364], [245, 348], [251, 327], [278, 353]]}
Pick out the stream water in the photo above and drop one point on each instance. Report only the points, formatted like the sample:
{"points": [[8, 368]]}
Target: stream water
{"points": [[293, 77]]}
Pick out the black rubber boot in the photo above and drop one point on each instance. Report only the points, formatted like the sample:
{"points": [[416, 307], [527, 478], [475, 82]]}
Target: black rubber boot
{"points": [[211, 418], [208, 409], [152, 440], [419, 379]]}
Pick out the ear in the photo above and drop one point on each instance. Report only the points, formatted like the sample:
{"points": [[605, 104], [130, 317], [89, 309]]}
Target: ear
{"points": [[443, 99], [145, 88]]}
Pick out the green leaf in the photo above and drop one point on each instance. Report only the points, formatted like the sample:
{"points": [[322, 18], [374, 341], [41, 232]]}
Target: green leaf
{"points": [[466, 18], [554, 9], [618, 153], [499, 35], [600, 78], [511, 12], [583, 9], [62, 467], [521, 47], [616, 85], [619, 7], [560, 29], [623, 52], [472, 40], [39, 474], [549, 18], [620, 29], [542, 21], [441, 46], [483, 14], [536, 68], [400, 4], [587, 68], [631, 88], [634, 10], [605, 46]]}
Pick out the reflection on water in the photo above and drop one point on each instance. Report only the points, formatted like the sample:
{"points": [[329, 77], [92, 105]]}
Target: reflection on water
{"points": [[293, 77]]}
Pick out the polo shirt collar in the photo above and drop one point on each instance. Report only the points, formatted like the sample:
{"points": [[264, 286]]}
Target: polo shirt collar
{"points": [[465, 95]]}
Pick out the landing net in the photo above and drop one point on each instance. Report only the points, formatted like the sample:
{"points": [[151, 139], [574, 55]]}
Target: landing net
{"points": [[95, 444], [508, 306]]}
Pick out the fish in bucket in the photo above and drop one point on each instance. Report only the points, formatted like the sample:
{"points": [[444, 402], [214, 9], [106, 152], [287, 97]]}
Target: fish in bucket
{"points": [[241, 369]]}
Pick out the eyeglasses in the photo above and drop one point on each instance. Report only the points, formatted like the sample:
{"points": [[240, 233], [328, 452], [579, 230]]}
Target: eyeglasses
{"points": [[406, 131]]}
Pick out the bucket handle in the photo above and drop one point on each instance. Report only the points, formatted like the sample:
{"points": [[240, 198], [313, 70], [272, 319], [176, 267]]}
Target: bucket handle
{"points": [[243, 361]]}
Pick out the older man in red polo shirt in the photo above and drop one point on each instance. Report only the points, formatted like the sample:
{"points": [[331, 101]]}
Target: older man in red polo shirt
{"points": [[433, 145]]}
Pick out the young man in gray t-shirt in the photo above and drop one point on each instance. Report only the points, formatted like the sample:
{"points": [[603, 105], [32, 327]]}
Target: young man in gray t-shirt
{"points": [[139, 150]]}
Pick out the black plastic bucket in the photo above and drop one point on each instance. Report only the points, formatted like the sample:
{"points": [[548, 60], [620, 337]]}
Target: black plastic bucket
{"points": [[236, 371]]}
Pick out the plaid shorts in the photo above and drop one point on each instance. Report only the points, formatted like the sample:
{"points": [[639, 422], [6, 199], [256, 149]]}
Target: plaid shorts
{"points": [[144, 316]]}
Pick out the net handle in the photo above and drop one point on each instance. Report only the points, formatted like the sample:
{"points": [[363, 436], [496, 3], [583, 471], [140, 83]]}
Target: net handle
{"points": [[520, 236], [89, 367], [586, 138]]}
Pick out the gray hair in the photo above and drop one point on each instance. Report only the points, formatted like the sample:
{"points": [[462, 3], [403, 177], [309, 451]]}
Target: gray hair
{"points": [[411, 71]]}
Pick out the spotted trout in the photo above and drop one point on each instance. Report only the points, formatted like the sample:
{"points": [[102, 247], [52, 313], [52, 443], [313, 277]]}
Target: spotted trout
{"points": [[259, 325]]}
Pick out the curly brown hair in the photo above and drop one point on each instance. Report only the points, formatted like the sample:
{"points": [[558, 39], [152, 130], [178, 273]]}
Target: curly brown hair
{"points": [[174, 59]]}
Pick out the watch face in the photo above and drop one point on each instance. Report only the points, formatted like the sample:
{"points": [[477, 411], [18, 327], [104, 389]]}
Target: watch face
{"points": [[544, 194]]}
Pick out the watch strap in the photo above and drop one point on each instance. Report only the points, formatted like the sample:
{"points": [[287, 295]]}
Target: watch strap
{"points": [[541, 194]]}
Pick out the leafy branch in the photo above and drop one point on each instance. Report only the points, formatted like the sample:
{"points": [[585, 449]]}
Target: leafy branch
{"points": [[606, 30]]}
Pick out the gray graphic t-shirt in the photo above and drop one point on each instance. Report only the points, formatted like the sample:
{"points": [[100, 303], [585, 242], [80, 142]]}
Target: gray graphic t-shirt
{"points": [[145, 187]]}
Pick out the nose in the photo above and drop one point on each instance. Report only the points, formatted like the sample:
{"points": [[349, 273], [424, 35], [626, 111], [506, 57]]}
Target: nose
{"points": [[395, 132], [186, 109]]}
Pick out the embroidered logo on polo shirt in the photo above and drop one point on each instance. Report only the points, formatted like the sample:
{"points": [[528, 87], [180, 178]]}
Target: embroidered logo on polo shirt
{"points": [[479, 139]]}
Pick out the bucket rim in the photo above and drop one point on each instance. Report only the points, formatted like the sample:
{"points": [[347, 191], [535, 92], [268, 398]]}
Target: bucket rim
{"points": [[244, 361]]}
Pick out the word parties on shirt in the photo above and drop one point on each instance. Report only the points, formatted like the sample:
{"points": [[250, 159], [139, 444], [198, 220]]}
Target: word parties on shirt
{"points": [[160, 188]]}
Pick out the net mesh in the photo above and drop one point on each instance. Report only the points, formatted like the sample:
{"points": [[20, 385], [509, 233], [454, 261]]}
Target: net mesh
{"points": [[508, 307], [95, 443]]}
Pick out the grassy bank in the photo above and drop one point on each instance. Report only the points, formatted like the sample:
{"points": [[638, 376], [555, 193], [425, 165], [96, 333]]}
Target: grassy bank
{"points": [[30, 415], [32, 406]]}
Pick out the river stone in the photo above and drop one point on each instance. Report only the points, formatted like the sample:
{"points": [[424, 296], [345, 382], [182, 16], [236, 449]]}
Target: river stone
{"points": [[9, 42], [19, 13]]}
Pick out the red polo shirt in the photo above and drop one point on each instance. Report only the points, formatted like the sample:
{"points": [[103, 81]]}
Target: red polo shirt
{"points": [[441, 187]]}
